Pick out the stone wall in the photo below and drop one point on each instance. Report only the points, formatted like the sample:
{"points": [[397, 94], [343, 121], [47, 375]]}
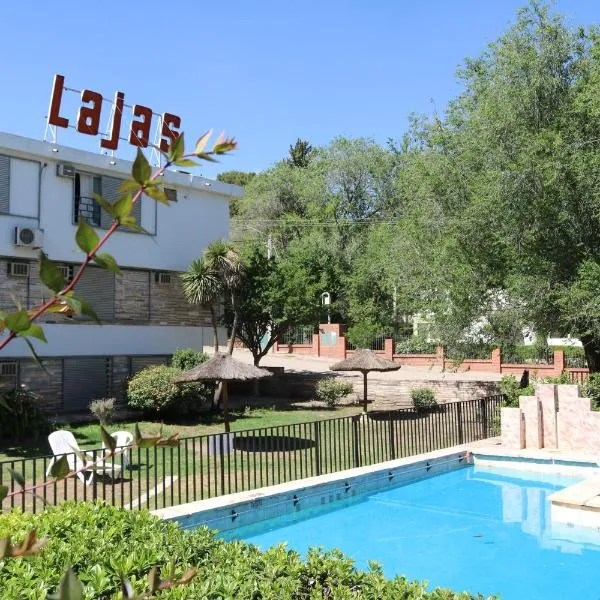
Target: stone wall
{"points": [[47, 384], [555, 418], [384, 394]]}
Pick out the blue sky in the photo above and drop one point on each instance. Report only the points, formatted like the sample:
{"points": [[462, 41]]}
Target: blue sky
{"points": [[267, 72]]}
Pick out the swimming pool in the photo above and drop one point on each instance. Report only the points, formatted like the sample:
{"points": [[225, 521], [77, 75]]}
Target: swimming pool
{"points": [[480, 529]]}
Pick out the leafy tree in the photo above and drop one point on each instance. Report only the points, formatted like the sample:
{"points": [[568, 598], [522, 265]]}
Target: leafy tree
{"points": [[268, 303], [241, 178], [508, 183]]}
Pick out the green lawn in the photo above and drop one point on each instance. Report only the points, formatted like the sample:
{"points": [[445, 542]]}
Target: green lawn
{"points": [[88, 434]]}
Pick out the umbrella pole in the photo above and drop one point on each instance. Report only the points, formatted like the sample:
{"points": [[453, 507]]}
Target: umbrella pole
{"points": [[364, 391], [225, 401]]}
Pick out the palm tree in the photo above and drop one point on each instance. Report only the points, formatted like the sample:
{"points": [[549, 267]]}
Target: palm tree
{"points": [[223, 259], [201, 285]]}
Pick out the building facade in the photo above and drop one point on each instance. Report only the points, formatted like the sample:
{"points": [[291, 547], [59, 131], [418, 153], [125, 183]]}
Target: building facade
{"points": [[44, 190]]}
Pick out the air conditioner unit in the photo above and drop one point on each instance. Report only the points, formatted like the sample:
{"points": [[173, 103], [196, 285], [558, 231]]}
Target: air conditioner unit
{"points": [[28, 237], [63, 170], [18, 269]]}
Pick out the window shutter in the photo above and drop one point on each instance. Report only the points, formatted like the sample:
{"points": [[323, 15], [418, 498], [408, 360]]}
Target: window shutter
{"points": [[4, 184], [85, 379], [97, 286], [110, 192]]}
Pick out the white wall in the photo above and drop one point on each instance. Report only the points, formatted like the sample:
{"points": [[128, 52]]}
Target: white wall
{"points": [[112, 340], [24, 187], [183, 229]]}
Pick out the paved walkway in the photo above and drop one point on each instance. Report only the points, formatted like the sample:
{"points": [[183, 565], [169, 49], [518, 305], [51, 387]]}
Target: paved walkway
{"points": [[313, 364]]}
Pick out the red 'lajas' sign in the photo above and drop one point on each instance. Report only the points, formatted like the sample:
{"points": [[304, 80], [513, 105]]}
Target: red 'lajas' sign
{"points": [[90, 111]]}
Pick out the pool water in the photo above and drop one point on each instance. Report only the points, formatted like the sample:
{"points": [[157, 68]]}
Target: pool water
{"points": [[478, 529]]}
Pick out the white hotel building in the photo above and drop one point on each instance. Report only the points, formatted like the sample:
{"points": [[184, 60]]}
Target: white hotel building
{"points": [[44, 188]]}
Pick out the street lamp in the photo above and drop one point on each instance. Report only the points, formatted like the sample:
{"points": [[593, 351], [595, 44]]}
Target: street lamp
{"points": [[326, 301]]}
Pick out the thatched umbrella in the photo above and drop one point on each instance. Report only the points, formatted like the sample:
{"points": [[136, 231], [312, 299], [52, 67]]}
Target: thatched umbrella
{"points": [[365, 361], [223, 367]]}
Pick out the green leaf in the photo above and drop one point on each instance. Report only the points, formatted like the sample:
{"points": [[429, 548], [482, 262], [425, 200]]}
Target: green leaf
{"points": [[34, 355], [74, 302], [176, 148], [141, 170], [109, 440], [18, 321], [70, 588], [157, 194], [51, 277], [17, 477], [105, 204], [207, 157], [60, 469], [107, 261], [129, 186], [131, 223], [123, 206], [186, 162], [3, 492], [35, 331], [86, 237]]}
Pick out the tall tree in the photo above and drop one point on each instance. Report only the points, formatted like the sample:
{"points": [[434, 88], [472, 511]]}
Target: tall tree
{"points": [[224, 261], [241, 178], [201, 285], [300, 154], [510, 179]]}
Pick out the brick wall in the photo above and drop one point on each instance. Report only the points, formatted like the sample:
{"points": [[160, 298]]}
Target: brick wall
{"points": [[168, 305], [48, 384], [132, 296]]}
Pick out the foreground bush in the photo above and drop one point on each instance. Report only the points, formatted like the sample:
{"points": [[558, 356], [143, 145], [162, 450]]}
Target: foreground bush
{"points": [[132, 542], [331, 391], [154, 390]]}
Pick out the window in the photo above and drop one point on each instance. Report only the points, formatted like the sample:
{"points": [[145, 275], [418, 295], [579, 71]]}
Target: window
{"points": [[162, 278], [67, 272], [171, 194], [85, 206], [8, 369], [4, 183]]}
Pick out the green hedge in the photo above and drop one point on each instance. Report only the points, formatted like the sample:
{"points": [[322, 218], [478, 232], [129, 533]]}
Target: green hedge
{"points": [[100, 541]]}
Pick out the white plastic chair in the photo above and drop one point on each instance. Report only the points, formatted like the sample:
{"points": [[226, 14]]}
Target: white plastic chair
{"points": [[62, 443], [123, 438]]}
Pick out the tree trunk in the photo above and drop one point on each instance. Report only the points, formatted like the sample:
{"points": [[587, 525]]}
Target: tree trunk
{"points": [[226, 407], [213, 318], [233, 326], [591, 347], [365, 391], [256, 382]]}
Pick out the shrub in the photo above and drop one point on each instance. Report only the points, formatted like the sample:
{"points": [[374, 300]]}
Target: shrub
{"points": [[132, 542], [331, 391], [415, 345], [187, 358], [21, 416], [154, 390], [103, 409], [509, 386], [423, 399], [591, 389]]}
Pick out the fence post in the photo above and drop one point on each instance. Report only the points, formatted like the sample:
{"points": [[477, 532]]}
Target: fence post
{"points": [[392, 442], [318, 447], [356, 440], [484, 417], [222, 462], [459, 423]]}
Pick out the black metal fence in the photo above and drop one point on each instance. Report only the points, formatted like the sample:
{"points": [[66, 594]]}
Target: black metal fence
{"points": [[298, 335], [213, 465]]}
